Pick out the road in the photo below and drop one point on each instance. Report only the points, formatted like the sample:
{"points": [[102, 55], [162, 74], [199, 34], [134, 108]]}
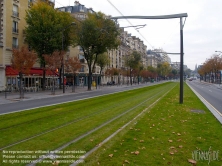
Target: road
{"points": [[41, 102], [210, 92]]}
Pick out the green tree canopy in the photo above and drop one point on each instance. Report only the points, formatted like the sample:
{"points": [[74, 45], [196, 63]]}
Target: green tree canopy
{"points": [[44, 30], [164, 69], [133, 61], [102, 61], [96, 35]]}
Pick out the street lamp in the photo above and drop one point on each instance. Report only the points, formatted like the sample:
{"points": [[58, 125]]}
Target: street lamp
{"points": [[181, 38], [63, 73]]}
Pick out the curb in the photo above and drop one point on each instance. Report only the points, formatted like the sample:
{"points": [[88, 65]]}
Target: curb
{"points": [[213, 110]]}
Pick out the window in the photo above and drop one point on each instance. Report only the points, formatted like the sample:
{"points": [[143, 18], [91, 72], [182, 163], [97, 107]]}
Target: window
{"points": [[81, 8], [14, 42], [29, 3], [81, 56], [81, 69], [15, 26], [15, 11], [80, 49], [62, 9]]}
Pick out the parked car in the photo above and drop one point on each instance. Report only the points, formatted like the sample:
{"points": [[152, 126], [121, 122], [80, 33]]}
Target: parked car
{"points": [[111, 83]]}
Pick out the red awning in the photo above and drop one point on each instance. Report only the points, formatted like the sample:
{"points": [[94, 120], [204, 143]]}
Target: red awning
{"points": [[33, 71], [9, 71]]}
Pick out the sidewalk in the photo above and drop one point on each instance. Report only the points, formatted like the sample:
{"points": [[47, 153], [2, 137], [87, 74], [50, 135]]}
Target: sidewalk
{"points": [[10, 97]]}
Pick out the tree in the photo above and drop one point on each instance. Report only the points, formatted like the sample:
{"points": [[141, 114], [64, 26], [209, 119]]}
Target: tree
{"points": [[73, 64], [96, 35], [102, 61], [153, 71], [112, 72], [43, 31], [22, 61], [211, 68], [132, 61], [139, 69], [174, 72], [163, 69], [53, 62]]}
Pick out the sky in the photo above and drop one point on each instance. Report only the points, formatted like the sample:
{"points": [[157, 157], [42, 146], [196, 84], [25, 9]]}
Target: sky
{"points": [[202, 32]]}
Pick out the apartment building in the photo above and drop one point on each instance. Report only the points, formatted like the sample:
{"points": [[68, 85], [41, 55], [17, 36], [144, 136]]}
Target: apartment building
{"points": [[116, 57], [163, 54], [12, 24]]}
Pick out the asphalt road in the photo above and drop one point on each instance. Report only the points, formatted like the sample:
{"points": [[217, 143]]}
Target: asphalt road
{"points": [[36, 103], [210, 92]]}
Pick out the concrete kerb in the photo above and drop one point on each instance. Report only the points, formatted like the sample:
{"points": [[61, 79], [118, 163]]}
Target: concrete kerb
{"points": [[213, 110]]}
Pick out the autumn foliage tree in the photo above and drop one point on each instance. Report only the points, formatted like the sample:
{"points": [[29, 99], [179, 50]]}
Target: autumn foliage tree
{"points": [[73, 65], [53, 62], [23, 60], [211, 68]]}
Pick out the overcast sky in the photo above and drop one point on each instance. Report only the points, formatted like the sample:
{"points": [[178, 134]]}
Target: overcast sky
{"points": [[202, 30]]}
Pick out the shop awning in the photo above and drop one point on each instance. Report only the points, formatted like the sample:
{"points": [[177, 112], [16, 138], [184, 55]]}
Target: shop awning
{"points": [[33, 71]]}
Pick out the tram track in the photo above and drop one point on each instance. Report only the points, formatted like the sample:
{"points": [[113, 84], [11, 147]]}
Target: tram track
{"points": [[106, 123], [66, 124]]}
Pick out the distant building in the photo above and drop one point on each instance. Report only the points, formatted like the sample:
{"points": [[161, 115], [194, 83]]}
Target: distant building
{"points": [[157, 56]]}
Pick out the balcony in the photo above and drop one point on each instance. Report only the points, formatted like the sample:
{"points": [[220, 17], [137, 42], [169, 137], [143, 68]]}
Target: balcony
{"points": [[15, 30], [15, 14]]}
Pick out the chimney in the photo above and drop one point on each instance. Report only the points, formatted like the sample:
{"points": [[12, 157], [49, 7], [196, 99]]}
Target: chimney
{"points": [[76, 3]]}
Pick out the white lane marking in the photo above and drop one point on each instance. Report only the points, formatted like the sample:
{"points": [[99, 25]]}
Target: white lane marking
{"points": [[206, 101]]}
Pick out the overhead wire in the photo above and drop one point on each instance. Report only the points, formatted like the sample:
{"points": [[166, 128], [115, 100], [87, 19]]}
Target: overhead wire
{"points": [[129, 22]]}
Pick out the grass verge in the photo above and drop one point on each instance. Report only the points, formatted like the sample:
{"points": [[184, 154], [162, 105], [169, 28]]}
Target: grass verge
{"points": [[169, 134]]}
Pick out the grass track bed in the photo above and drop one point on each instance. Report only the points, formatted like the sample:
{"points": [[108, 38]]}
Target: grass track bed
{"points": [[47, 124], [59, 137], [168, 135]]}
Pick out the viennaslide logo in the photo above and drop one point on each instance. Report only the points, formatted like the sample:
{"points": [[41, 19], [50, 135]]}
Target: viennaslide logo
{"points": [[208, 155]]}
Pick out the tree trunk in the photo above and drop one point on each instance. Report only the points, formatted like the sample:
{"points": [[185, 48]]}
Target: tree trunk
{"points": [[53, 85], [100, 78], [131, 77], [60, 78], [89, 81], [73, 83], [20, 87]]}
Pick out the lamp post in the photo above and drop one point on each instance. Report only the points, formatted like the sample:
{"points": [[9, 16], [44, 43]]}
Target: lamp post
{"points": [[219, 72], [63, 73], [219, 52]]}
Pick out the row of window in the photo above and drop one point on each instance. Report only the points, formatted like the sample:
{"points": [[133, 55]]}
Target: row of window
{"points": [[15, 13]]}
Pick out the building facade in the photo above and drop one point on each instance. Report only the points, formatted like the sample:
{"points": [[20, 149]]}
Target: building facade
{"points": [[12, 36], [116, 56], [12, 25]]}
